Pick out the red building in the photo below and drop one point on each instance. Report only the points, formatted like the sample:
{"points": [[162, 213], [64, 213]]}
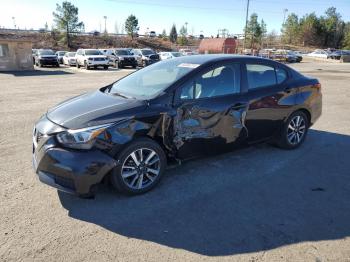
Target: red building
{"points": [[218, 46]]}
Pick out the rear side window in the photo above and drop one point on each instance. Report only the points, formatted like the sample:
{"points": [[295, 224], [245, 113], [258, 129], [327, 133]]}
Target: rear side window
{"points": [[281, 75], [260, 76]]}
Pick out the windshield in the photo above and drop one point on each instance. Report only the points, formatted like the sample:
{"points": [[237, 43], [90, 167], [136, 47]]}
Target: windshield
{"points": [[61, 53], [71, 54], [92, 52], [46, 52], [121, 52], [147, 52], [152, 80]]}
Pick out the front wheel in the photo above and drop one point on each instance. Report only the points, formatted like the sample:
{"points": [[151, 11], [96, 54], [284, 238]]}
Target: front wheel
{"points": [[141, 165], [294, 131]]}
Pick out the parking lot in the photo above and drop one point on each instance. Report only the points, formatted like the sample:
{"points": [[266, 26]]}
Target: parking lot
{"points": [[258, 203]]}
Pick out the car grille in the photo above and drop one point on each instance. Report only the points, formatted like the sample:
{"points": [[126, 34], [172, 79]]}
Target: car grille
{"points": [[129, 59], [99, 59], [154, 57]]}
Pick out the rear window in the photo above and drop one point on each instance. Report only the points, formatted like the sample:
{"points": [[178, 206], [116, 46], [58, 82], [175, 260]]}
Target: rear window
{"points": [[260, 76]]}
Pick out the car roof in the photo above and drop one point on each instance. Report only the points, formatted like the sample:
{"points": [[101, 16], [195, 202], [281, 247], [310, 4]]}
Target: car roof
{"points": [[202, 59]]}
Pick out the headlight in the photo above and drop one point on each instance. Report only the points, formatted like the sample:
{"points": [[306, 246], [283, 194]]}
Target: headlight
{"points": [[146, 57], [121, 58], [81, 138]]}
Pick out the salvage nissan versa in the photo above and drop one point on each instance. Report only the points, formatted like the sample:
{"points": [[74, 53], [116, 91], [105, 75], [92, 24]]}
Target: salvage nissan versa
{"points": [[175, 109]]}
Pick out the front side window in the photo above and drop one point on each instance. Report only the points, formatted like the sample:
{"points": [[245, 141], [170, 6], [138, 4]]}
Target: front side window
{"points": [[222, 80], [147, 52], [4, 50], [260, 76], [122, 52]]}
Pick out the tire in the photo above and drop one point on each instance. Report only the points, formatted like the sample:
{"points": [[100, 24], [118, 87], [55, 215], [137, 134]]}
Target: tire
{"points": [[144, 64], [105, 67], [77, 65], [136, 175], [58, 65], [40, 64], [289, 138], [86, 66], [134, 66]]}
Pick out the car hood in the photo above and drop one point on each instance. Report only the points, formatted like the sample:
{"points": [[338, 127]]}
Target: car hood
{"points": [[94, 108]]}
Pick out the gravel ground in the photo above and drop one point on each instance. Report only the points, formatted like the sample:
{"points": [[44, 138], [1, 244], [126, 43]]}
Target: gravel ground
{"points": [[255, 204]]}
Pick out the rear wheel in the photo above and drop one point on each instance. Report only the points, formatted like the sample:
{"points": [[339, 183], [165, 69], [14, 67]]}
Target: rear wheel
{"points": [[141, 165], [77, 64], [294, 131]]}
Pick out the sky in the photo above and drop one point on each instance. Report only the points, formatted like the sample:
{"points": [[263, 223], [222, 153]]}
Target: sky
{"points": [[202, 16]]}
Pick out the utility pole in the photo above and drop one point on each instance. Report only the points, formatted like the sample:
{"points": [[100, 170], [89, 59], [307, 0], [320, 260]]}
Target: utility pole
{"points": [[246, 24], [284, 20], [105, 17], [186, 27]]}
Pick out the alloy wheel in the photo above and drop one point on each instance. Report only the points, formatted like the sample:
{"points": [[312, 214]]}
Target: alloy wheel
{"points": [[141, 168], [296, 130]]}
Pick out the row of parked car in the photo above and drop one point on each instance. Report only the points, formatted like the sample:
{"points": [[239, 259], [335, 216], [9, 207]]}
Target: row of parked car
{"points": [[329, 54], [94, 58]]}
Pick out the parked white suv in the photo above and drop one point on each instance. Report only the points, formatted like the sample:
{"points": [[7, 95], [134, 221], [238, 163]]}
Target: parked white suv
{"points": [[91, 58]]}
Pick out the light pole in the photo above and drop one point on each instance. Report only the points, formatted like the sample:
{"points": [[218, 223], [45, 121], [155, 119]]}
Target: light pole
{"points": [[284, 20], [105, 18], [14, 21], [246, 24]]}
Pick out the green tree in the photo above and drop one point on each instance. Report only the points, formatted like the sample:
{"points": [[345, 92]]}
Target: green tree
{"points": [[253, 31], [346, 41], [333, 28], [310, 30], [66, 20], [173, 34], [182, 40], [163, 35], [183, 31], [131, 25], [291, 29]]}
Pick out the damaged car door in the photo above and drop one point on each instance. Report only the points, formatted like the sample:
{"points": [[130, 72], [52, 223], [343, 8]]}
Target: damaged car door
{"points": [[210, 111]]}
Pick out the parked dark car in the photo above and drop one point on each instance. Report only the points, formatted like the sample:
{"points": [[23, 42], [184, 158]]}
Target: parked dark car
{"points": [[175, 109], [44, 57], [145, 57], [338, 54], [120, 57], [60, 55]]}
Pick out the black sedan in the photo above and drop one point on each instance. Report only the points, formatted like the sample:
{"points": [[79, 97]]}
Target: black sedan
{"points": [[173, 110], [44, 57]]}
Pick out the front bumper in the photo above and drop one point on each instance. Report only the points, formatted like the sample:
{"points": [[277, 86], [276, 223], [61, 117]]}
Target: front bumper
{"points": [[98, 63], [68, 170], [127, 62], [48, 62]]}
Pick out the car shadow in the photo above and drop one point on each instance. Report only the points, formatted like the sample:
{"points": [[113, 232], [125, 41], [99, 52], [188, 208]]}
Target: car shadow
{"points": [[41, 72], [249, 200]]}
